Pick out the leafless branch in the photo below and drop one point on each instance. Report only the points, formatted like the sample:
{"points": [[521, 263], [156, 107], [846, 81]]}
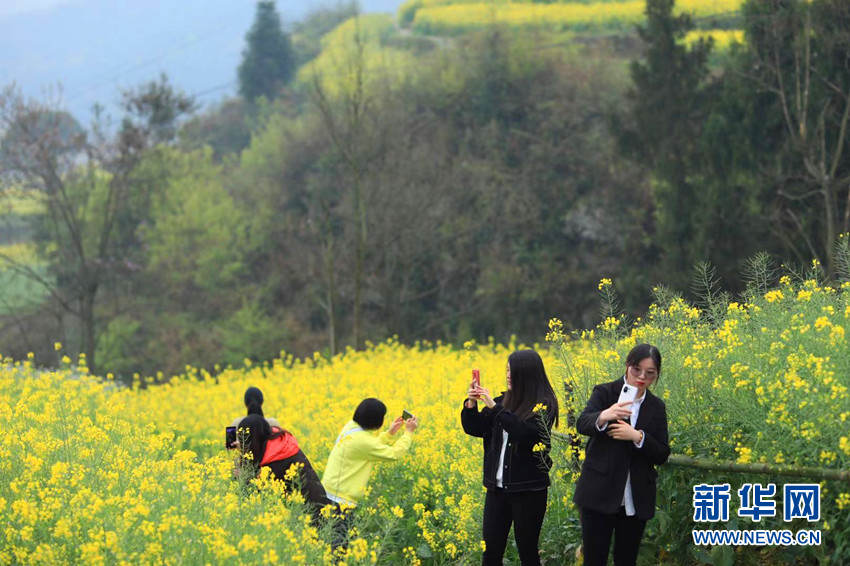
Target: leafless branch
{"points": [[33, 275]]}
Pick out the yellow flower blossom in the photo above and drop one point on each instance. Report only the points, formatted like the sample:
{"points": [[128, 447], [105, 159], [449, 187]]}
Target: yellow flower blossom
{"points": [[774, 296]]}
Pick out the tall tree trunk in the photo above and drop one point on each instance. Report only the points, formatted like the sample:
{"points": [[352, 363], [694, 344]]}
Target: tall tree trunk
{"points": [[88, 327], [831, 232], [360, 256], [331, 300]]}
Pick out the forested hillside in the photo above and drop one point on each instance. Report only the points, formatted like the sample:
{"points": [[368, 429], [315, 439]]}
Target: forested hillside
{"points": [[460, 170]]}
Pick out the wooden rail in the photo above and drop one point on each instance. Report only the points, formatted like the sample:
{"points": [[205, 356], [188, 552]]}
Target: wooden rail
{"points": [[755, 468]]}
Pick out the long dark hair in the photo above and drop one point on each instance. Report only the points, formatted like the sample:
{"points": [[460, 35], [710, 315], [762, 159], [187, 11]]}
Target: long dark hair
{"points": [[254, 401], [529, 386], [256, 434]]}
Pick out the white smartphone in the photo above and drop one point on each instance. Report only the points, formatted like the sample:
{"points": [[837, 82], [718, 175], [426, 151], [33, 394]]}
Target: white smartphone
{"points": [[627, 393]]}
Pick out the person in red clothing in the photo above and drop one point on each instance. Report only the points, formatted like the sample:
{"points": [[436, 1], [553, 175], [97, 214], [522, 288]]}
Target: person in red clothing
{"points": [[278, 449]]}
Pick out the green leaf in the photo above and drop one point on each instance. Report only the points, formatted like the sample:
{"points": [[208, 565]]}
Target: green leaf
{"points": [[702, 555], [424, 551], [663, 520], [723, 555]]}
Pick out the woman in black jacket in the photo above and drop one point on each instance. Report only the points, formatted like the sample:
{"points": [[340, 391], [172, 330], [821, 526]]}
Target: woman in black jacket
{"points": [[516, 431], [616, 490]]}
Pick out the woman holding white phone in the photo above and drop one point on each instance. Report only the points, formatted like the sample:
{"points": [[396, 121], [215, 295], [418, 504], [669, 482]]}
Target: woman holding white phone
{"points": [[616, 490]]}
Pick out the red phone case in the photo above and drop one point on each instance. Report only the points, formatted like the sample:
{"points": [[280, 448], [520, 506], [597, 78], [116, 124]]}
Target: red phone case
{"points": [[476, 377]]}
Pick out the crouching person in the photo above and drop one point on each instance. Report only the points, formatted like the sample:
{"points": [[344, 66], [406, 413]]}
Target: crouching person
{"points": [[277, 449], [355, 453]]}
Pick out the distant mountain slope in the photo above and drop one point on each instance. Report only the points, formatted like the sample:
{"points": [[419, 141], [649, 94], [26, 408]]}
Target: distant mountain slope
{"points": [[95, 47]]}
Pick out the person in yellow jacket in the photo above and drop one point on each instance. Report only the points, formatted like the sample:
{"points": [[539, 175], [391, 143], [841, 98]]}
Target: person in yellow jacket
{"points": [[355, 452], [357, 449]]}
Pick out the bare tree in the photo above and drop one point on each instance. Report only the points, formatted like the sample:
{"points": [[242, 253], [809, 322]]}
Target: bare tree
{"points": [[85, 181], [801, 55], [351, 120]]}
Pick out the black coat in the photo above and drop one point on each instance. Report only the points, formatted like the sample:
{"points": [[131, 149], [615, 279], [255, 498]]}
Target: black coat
{"points": [[525, 470], [607, 462]]}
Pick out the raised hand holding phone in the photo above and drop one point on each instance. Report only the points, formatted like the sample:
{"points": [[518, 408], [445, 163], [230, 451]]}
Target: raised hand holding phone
{"points": [[471, 396], [483, 394], [615, 412], [622, 409], [628, 394], [397, 424]]}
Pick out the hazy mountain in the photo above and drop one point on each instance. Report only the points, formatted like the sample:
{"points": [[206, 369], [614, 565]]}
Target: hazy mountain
{"points": [[94, 47]]}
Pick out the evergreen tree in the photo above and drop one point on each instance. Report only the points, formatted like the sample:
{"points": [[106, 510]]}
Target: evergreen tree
{"points": [[668, 106], [268, 61]]}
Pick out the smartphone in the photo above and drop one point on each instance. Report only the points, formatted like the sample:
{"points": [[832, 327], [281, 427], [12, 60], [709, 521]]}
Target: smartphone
{"points": [[476, 377], [229, 436], [405, 414], [627, 393]]}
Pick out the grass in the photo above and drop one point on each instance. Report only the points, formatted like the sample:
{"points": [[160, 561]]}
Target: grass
{"points": [[17, 290], [18, 202]]}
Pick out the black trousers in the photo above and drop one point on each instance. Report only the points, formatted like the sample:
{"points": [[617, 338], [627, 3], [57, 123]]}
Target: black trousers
{"points": [[307, 481], [525, 510], [596, 531], [342, 523]]}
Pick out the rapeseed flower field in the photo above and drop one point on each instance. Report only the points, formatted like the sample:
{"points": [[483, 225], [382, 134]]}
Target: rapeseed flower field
{"points": [[340, 66], [96, 473], [458, 16], [723, 38]]}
